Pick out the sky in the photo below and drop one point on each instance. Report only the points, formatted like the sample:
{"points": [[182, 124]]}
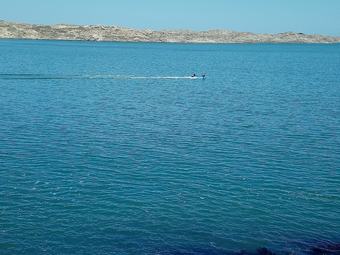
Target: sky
{"points": [[259, 16]]}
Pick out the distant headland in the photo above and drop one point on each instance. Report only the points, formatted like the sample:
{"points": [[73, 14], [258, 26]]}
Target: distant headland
{"points": [[12, 30]]}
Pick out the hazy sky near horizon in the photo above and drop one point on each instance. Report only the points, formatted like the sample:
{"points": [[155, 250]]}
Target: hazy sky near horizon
{"points": [[260, 16]]}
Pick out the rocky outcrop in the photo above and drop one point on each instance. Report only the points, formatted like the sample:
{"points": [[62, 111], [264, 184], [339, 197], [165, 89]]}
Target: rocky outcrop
{"points": [[113, 33]]}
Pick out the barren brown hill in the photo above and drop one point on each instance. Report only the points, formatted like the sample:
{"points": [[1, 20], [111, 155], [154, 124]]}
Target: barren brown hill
{"points": [[113, 33]]}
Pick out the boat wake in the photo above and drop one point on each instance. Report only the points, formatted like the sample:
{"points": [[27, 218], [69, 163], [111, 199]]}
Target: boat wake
{"points": [[89, 77]]}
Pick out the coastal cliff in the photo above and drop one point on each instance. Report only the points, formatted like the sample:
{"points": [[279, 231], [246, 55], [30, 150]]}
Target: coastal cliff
{"points": [[11, 30]]}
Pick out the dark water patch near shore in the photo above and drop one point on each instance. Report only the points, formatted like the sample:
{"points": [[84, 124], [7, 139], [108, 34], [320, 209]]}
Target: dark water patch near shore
{"points": [[322, 248], [326, 248], [210, 251]]}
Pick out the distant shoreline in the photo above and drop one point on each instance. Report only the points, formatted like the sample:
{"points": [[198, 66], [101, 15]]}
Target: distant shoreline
{"points": [[183, 43], [22, 31]]}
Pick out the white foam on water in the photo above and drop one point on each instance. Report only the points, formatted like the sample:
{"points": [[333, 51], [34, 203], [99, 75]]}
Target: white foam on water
{"points": [[164, 77], [110, 76]]}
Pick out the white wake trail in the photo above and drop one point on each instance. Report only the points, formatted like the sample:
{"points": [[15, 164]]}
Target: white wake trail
{"points": [[91, 77]]}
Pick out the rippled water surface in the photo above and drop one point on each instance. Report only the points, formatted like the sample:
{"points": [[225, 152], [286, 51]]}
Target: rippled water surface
{"points": [[110, 148]]}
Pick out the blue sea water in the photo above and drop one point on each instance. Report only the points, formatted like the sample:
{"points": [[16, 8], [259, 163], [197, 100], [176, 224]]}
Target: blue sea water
{"points": [[109, 148]]}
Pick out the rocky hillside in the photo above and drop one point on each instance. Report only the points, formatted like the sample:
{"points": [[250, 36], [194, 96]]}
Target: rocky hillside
{"points": [[113, 33]]}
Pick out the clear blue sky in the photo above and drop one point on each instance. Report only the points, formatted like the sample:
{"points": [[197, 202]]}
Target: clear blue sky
{"points": [[266, 16]]}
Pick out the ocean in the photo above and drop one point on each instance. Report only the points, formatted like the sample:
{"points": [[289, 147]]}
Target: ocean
{"points": [[111, 148]]}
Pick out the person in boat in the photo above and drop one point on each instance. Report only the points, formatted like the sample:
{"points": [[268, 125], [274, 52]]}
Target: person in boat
{"points": [[193, 75]]}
